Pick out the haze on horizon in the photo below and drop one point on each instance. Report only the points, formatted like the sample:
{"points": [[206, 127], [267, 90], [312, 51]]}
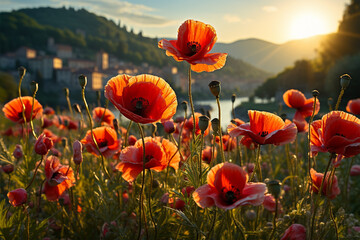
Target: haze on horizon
{"points": [[276, 21]]}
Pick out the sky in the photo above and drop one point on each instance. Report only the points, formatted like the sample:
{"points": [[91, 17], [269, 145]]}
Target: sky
{"points": [[277, 21]]}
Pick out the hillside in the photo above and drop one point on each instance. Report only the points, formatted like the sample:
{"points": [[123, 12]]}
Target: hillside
{"points": [[269, 56], [88, 33]]}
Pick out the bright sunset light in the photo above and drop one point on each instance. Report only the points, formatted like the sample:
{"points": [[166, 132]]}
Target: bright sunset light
{"points": [[307, 25]]}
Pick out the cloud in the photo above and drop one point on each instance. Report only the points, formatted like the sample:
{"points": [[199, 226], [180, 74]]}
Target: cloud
{"points": [[231, 18], [270, 9]]}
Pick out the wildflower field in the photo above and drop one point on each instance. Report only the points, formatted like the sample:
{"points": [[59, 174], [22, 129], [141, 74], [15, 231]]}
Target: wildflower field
{"points": [[154, 174]]}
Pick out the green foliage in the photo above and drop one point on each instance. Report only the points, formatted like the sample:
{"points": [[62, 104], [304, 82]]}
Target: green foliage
{"points": [[8, 87]]}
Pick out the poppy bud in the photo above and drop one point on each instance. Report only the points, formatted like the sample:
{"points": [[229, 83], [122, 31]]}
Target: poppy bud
{"points": [[132, 140], [77, 151], [116, 124], [22, 71], [203, 123], [17, 197], [18, 152], [215, 124], [82, 80], [66, 91], [34, 86], [43, 144], [345, 80], [184, 105], [274, 188], [8, 168], [77, 108], [169, 126], [215, 88], [233, 97], [315, 93]]}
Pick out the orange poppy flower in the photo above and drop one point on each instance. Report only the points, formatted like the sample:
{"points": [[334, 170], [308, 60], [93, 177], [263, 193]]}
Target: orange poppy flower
{"points": [[194, 42], [143, 98], [353, 106], [206, 155], [103, 118], [304, 107], [159, 154], [227, 188], [337, 132], [59, 178], [106, 139], [13, 109], [265, 128], [17, 197], [316, 181]]}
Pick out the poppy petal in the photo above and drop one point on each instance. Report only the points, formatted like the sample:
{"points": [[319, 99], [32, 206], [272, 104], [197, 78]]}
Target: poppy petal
{"points": [[129, 171], [204, 196], [294, 98], [209, 63]]}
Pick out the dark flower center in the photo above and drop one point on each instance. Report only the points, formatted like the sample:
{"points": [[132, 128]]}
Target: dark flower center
{"points": [[148, 158], [194, 47], [139, 104], [102, 143], [263, 133], [230, 195]]}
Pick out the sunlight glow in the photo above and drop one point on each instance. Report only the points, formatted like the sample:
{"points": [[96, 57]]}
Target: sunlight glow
{"points": [[307, 25]]}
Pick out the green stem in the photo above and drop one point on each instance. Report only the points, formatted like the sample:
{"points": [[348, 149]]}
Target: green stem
{"points": [[220, 131], [257, 165], [238, 224], [127, 134], [149, 204], [339, 99], [191, 103], [142, 181], [36, 169], [69, 106], [92, 133], [274, 219], [347, 182], [212, 225], [200, 158], [334, 221], [31, 122], [309, 142]]}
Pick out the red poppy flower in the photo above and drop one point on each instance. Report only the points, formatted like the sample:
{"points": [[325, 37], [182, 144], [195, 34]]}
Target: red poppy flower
{"points": [[189, 125], [227, 188], [353, 106], [304, 107], [316, 181], [229, 143], [206, 155], [194, 42], [337, 132], [65, 122], [270, 203], [265, 128], [43, 144], [106, 139], [143, 98], [59, 178], [13, 109], [158, 155], [17, 197], [295, 232], [103, 116]]}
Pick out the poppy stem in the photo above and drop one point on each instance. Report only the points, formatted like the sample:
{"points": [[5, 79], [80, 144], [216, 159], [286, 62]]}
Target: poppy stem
{"points": [[142, 181], [36, 169], [274, 219], [191, 103], [40, 190], [200, 158], [334, 221], [92, 133], [127, 134], [339, 99], [68, 102], [27, 223], [106, 107], [212, 225], [347, 182], [149, 205], [237, 224], [257, 165], [32, 110], [309, 142], [332, 155], [220, 130]]}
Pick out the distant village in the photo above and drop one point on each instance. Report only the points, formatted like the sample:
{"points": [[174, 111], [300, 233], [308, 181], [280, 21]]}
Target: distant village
{"points": [[60, 66]]}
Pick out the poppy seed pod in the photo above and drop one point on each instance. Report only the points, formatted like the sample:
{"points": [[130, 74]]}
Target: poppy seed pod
{"points": [[184, 105], [77, 108], [82, 80], [345, 80], [77, 152], [66, 91], [203, 123], [233, 97], [315, 93], [22, 71], [34, 86], [215, 123], [274, 187], [215, 88]]}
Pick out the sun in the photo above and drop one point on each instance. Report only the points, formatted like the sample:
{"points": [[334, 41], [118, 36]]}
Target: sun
{"points": [[307, 25]]}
